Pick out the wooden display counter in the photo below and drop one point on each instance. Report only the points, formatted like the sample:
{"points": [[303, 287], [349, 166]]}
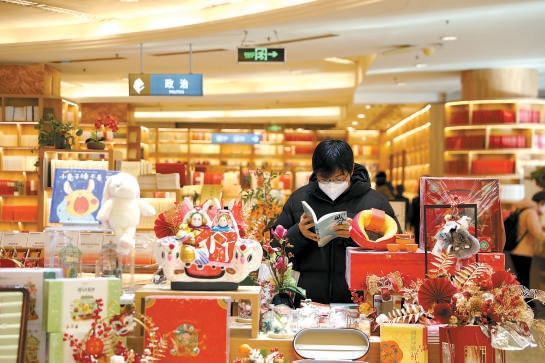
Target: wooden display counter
{"points": [[286, 347], [248, 333]]}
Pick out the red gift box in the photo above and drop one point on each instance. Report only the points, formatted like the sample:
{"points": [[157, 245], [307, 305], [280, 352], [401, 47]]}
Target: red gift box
{"points": [[442, 196], [196, 329], [460, 344], [361, 263]]}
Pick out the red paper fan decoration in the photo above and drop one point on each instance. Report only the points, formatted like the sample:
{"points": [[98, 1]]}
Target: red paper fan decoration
{"points": [[435, 291], [168, 222]]}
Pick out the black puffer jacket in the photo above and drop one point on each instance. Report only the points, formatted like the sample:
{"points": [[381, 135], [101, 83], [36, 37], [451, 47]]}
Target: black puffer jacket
{"points": [[322, 270]]}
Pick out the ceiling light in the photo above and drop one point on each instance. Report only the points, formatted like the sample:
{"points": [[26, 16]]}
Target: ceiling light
{"points": [[421, 65], [339, 60], [449, 38], [428, 50], [55, 9], [354, 123], [278, 112], [361, 115]]}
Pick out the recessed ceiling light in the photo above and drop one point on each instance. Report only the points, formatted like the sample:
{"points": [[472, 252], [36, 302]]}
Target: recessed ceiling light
{"points": [[339, 60], [354, 123], [421, 65], [449, 38], [367, 106], [361, 115]]}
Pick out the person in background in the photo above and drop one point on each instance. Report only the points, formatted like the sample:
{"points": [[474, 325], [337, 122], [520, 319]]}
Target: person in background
{"points": [[400, 189], [529, 220], [383, 186], [336, 184], [414, 217]]}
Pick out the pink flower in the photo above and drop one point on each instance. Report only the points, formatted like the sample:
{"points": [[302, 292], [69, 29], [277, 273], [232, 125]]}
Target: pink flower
{"points": [[279, 232]]}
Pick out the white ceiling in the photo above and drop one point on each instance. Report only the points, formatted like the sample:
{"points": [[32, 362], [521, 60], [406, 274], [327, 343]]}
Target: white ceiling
{"points": [[490, 34]]}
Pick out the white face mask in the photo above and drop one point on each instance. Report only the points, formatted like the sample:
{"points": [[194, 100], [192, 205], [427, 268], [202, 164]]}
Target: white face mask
{"points": [[333, 190]]}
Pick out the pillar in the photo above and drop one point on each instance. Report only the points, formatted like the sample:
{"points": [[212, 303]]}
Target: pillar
{"points": [[500, 83]]}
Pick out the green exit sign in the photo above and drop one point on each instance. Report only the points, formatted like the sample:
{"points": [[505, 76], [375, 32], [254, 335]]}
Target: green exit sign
{"points": [[261, 55]]}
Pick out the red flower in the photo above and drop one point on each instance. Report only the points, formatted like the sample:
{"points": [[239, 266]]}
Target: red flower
{"points": [[503, 278], [442, 312]]}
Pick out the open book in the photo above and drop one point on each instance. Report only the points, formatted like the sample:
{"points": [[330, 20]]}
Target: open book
{"points": [[324, 225]]}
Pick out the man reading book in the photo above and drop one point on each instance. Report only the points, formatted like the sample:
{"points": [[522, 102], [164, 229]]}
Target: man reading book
{"points": [[336, 184]]}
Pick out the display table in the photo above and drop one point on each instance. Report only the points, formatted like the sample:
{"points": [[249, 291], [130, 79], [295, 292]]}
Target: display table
{"points": [[248, 333], [243, 293]]}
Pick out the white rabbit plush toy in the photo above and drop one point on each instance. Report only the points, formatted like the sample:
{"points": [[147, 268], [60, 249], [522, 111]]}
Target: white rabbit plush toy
{"points": [[121, 208]]}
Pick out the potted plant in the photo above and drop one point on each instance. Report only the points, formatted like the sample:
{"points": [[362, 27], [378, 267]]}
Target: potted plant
{"points": [[101, 123], [56, 133]]}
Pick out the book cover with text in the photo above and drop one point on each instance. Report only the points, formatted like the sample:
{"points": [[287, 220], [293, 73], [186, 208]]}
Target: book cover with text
{"points": [[77, 195]]}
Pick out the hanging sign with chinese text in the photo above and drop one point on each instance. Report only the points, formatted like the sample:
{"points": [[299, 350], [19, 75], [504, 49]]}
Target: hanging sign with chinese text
{"points": [[146, 84], [219, 138]]}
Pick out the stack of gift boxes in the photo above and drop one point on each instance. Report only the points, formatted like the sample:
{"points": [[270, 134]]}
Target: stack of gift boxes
{"points": [[70, 306], [440, 198], [34, 281], [57, 306]]}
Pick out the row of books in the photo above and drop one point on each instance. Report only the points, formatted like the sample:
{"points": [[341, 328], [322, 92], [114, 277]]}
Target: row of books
{"points": [[22, 113], [18, 163]]}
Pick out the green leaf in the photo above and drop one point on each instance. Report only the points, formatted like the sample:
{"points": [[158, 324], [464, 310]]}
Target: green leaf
{"points": [[295, 289]]}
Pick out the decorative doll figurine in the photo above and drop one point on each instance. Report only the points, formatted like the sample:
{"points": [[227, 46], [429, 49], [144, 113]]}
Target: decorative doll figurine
{"points": [[222, 223]]}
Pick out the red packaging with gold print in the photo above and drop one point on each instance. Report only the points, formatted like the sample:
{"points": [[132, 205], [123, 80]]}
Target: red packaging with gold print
{"points": [[195, 328]]}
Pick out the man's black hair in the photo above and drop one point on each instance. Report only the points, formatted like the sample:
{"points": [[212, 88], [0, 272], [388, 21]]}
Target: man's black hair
{"points": [[539, 197], [331, 155]]}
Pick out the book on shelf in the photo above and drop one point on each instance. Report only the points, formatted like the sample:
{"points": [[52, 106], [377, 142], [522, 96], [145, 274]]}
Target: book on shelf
{"points": [[324, 226], [77, 195], [53, 164]]}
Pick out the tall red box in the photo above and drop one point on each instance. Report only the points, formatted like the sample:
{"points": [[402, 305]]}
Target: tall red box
{"points": [[460, 344], [196, 328], [361, 263], [443, 196]]}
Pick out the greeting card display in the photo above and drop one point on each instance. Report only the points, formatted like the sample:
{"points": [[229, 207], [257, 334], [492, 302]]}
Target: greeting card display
{"points": [[77, 194], [474, 204]]}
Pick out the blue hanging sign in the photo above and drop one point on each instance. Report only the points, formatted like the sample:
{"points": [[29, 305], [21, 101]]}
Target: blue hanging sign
{"points": [[145, 84], [218, 138]]}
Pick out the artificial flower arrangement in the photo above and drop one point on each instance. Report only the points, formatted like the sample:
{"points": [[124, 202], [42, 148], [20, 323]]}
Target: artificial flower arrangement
{"points": [[473, 295], [106, 338], [102, 123], [252, 355], [262, 204], [277, 280]]}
